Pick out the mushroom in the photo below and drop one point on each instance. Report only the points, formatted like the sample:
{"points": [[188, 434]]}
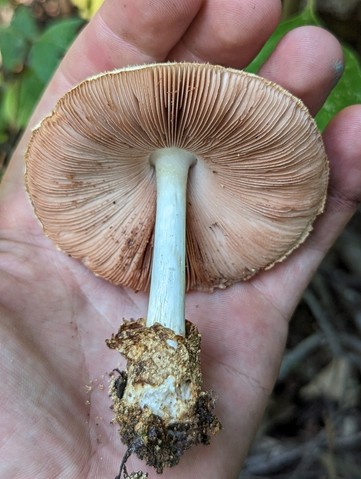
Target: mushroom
{"points": [[174, 177]]}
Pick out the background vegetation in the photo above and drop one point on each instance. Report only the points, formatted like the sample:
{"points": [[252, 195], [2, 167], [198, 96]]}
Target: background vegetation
{"points": [[312, 427]]}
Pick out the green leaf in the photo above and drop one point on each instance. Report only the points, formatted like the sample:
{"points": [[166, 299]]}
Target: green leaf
{"points": [[13, 49], [20, 98], [3, 136], [50, 47], [62, 33], [3, 121], [43, 59], [30, 90], [15, 39], [24, 24], [10, 103], [347, 91]]}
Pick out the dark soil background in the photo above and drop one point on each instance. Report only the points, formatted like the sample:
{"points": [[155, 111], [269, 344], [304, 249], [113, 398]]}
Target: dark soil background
{"points": [[312, 427]]}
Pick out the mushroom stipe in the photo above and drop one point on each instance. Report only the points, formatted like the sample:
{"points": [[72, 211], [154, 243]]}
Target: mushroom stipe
{"points": [[169, 178]]}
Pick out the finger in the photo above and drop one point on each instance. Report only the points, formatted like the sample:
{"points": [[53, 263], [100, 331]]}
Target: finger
{"points": [[342, 139], [343, 145], [139, 32], [228, 32], [308, 62]]}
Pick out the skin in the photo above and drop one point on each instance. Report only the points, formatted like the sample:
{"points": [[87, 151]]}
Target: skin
{"points": [[55, 314]]}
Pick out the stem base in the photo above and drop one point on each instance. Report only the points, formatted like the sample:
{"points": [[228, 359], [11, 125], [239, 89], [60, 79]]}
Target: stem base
{"points": [[161, 410]]}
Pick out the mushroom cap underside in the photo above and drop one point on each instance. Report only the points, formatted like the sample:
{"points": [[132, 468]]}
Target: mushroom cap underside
{"points": [[259, 182]]}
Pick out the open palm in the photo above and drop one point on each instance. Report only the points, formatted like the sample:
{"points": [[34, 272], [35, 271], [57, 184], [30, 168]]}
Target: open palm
{"points": [[55, 315]]}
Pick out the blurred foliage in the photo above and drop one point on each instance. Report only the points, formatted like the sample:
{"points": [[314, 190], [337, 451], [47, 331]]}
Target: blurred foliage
{"points": [[29, 57], [30, 51]]}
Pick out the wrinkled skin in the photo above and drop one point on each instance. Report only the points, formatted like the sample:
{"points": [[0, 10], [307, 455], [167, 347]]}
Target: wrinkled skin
{"points": [[55, 314]]}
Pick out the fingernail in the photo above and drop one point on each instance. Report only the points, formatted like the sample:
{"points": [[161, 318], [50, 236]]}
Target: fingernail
{"points": [[338, 68]]}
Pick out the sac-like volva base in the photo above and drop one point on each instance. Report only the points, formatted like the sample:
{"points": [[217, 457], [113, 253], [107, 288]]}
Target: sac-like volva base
{"points": [[159, 404]]}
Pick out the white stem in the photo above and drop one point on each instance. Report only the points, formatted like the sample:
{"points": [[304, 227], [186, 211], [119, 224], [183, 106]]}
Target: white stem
{"points": [[167, 287]]}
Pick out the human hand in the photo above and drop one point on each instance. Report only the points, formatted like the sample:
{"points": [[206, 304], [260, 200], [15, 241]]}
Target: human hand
{"points": [[55, 314]]}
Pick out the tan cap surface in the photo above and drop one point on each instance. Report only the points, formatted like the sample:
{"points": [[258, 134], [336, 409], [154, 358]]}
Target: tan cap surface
{"points": [[259, 182]]}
